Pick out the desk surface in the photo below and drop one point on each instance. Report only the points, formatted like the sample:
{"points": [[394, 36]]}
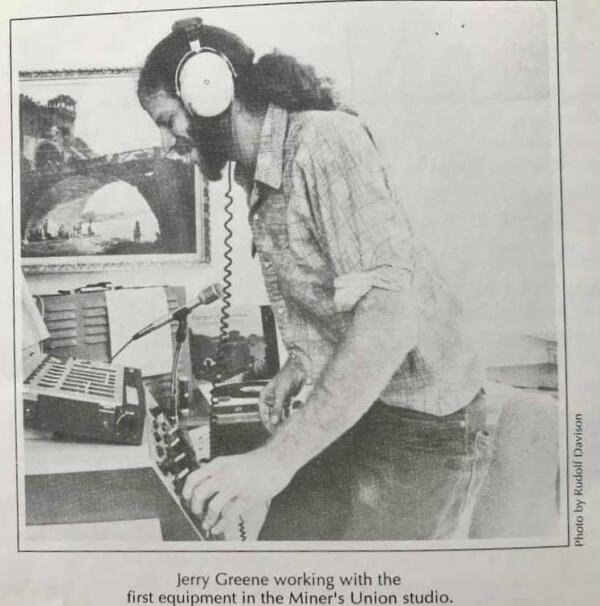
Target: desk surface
{"points": [[44, 455], [87, 482]]}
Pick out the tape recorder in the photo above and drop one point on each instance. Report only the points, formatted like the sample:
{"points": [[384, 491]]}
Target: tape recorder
{"points": [[236, 425], [85, 399]]}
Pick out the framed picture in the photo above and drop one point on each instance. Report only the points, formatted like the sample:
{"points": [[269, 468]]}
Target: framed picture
{"points": [[95, 190]]}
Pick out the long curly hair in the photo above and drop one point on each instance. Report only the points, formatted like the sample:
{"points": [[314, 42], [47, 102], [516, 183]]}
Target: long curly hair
{"points": [[283, 80], [275, 78]]}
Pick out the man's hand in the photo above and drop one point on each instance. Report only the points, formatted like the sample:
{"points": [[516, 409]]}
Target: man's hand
{"points": [[222, 490], [279, 391]]}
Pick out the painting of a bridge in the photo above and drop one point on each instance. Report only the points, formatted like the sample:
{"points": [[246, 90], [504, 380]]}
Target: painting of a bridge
{"points": [[93, 183]]}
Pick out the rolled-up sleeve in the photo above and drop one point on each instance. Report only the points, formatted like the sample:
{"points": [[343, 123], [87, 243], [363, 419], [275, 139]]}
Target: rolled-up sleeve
{"points": [[362, 225]]}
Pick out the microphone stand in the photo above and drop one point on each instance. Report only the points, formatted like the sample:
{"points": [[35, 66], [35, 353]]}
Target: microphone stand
{"points": [[208, 295], [180, 336]]}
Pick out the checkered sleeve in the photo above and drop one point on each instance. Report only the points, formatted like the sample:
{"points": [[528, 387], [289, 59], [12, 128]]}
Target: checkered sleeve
{"points": [[363, 226]]}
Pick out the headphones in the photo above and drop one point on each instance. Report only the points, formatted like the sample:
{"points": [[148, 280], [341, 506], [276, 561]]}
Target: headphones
{"points": [[204, 79]]}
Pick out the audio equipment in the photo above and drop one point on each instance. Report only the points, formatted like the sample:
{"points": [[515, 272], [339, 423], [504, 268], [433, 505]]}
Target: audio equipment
{"points": [[204, 79], [236, 424], [175, 453], [84, 399], [78, 324]]}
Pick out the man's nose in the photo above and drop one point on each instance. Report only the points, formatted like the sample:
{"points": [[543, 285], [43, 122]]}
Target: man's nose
{"points": [[167, 140]]}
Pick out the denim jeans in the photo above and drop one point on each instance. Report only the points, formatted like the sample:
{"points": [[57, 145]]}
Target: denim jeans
{"points": [[397, 474]]}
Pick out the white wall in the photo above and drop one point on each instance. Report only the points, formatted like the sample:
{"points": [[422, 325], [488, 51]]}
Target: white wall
{"points": [[472, 144], [461, 98]]}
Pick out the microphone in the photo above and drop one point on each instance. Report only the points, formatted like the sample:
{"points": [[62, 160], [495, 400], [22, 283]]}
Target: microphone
{"points": [[209, 295]]}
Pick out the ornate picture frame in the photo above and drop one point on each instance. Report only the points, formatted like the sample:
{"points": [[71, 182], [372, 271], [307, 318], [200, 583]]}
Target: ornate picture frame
{"points": [[94, 189]]}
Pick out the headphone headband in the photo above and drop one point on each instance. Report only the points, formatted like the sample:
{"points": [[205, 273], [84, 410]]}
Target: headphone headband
{"points": [[190, 27]]}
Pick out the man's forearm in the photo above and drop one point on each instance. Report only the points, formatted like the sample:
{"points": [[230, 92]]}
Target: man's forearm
{"points": [[382, 333]]}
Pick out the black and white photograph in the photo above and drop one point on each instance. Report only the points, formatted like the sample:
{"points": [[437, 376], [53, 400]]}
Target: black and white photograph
{"points": [[90, 187], [290, 275]]}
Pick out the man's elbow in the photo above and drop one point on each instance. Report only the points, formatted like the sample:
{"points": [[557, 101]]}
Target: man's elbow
{"points": [[390, 316]]}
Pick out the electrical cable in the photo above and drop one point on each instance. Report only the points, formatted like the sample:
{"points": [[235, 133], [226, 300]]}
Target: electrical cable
{"points": [[111, 359], [228, 255], [226, 299], [225, 314], [242, 529], [174, 392]]}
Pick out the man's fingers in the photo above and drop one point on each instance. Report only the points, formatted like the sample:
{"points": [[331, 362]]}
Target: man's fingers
{"points": [[267, 394], [216, 507], [203, 491], [266, 403], [196, 477], [264, 409], [282, 392], [229, 517]]}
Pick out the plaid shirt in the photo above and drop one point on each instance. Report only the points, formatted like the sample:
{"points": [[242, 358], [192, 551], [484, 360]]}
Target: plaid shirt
{"points": [[322, 212]]}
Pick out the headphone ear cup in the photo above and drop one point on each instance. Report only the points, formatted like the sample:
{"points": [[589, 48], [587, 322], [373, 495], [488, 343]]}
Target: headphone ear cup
{"points": [[206, 84]]}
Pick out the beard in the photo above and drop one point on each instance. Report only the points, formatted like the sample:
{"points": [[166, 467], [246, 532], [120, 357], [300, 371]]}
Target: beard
{"points": [[212, 140]]}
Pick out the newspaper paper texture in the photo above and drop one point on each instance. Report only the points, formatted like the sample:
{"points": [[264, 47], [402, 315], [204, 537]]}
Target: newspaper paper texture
{"points": [[364, 358]]}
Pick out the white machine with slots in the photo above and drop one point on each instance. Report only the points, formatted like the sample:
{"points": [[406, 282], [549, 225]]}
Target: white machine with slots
{"points": [[84, 399]]}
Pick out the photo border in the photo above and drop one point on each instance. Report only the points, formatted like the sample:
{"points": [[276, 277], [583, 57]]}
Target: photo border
{"points": [[566, 480]]}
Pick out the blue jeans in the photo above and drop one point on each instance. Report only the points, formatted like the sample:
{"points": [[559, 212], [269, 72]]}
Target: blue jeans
{"points": [[397, 474]]}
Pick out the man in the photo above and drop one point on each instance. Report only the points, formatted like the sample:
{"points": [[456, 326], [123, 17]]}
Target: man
{"points": [[390, 444]]}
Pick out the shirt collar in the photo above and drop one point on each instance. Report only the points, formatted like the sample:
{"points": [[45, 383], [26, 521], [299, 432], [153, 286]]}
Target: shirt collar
{"points": [[269, 160]]}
